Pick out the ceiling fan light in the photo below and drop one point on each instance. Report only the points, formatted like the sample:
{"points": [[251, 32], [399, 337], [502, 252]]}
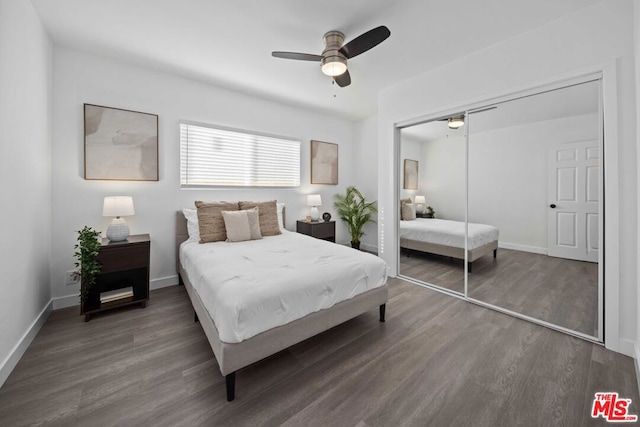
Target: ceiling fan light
{"points": [[455, 122], [334, 65]]}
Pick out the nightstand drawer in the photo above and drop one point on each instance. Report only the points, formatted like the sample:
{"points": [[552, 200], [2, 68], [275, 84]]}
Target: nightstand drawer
{"points": [[320, 230], [323, 230], [119, 258]]}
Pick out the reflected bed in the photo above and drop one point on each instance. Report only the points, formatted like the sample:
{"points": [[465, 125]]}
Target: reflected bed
{"points": [[447, 238]]}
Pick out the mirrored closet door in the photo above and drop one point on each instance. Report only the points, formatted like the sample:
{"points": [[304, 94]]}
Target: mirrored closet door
{"points": [[521, 182], [426, 253]]}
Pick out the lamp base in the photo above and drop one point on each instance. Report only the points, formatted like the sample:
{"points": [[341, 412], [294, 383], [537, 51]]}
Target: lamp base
{"points": [[118, 230], [314, 214]]}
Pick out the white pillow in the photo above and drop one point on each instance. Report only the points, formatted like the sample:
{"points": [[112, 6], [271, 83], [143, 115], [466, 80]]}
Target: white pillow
{"points": [[193, 228], [279, 208], [408, 212], [242, 225]]}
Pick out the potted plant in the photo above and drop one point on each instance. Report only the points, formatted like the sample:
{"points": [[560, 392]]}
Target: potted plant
{"points": [[87, 265], [430, 212], [353, 208]]}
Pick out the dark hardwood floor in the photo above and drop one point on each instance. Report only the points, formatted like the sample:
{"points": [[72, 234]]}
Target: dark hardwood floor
{"points": [[560, 291], [437, 361]]}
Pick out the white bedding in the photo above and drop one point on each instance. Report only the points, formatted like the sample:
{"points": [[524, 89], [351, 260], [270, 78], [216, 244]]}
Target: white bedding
{"points": [[447, 233], [253, 286]]}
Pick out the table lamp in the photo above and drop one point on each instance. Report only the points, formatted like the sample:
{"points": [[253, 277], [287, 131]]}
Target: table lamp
{"points": [[118, 206], [314, 201], [420, 202]]}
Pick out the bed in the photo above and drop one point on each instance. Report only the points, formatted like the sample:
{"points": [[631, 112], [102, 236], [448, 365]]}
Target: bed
{"points": [[447, 238], [236, 343]]}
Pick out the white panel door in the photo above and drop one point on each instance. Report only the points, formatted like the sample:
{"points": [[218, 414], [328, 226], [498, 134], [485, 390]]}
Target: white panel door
{"points": [[573, 193]]}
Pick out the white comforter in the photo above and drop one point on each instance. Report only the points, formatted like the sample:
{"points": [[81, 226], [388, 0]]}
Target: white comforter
{"points": [[251, 287], [447, 233]]}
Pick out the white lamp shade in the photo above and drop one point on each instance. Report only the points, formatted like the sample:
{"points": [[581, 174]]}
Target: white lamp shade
{"points": [[420, 200], [118, 206], [314, 200]]}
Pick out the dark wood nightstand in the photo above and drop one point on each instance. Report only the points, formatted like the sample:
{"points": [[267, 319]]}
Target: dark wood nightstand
{"points": [[325, 230], [124, 264]]}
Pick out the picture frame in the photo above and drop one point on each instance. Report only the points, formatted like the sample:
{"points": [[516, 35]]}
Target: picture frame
{"points": [[120, 145], [324, 163], [410, 174]]}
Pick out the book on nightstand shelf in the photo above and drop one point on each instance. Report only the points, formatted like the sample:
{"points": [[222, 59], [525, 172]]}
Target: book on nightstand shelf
{"points": [[116, 294]]}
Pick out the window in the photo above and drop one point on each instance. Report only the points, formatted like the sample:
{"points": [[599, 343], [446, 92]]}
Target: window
{"points": [[211, 156]]}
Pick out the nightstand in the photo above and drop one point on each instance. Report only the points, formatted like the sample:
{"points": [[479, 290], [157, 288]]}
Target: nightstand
{"points": [[124, 265], [325, 230]]}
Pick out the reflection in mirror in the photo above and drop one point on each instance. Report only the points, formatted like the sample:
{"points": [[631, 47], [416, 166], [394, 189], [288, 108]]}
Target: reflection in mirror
{"points": [[534, 175], [432, 240]]}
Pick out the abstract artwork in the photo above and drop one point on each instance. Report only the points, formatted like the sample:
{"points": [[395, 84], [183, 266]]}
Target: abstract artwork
{"points": [[324, 163], [120, 144], [410, 174]]}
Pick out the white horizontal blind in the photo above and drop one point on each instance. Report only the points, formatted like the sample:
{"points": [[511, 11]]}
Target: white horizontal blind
{"points": [[218, 157]]}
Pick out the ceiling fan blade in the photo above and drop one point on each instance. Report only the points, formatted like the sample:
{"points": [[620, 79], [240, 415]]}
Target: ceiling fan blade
{"points": [[365, 41], [296, 55], [343, 79]]}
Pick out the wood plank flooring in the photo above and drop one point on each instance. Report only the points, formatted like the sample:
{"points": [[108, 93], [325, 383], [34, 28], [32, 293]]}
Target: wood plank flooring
{"points": [[437, 361], [560, 291]]}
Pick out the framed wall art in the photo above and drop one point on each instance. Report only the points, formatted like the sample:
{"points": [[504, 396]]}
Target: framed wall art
{"points": [[120, 144], [410, 174], [324, 163]]}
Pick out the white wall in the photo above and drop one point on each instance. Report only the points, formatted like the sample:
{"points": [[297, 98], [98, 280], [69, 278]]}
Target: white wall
{"points": [[82, 78], [443, 176], [365, 169], [25, 173], [507, 176], [588, 38]]}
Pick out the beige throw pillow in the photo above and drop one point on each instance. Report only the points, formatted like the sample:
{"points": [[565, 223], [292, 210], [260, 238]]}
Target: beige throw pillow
{"points": [[408, 211], [210, 221], [267, 215], [242, 225]]}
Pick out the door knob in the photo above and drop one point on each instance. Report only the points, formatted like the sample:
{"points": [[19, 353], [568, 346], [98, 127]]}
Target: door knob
{"points": [[552, 206]]}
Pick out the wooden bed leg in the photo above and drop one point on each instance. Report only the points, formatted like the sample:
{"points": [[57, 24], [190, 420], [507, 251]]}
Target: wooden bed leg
{"points": [[180, 282], [383, 308], [230, 380], [495, 253], [469, 264], [195, 317]]}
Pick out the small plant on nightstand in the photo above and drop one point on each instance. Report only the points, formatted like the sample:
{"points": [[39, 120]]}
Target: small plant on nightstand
{"points": [[430, 212], [86, 256]]}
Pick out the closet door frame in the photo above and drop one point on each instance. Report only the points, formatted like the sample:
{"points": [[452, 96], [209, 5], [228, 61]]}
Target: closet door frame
{"points": [[609, 267]]}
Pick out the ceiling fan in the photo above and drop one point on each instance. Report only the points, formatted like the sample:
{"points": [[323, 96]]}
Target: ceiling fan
{"points": [[333, 60]]}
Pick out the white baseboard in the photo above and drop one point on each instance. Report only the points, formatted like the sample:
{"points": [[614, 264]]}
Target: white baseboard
{"points": [[163, 282], [636, 362], [523, 248], [627, 347], [74, 299], [369, 248], [18, 350]]}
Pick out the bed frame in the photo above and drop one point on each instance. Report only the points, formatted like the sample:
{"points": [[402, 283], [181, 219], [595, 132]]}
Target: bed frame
{"points": [[451, 251], [235, 356]]}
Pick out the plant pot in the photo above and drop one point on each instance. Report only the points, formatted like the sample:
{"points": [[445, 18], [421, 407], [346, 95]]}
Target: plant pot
{"points": [[355, 245]]}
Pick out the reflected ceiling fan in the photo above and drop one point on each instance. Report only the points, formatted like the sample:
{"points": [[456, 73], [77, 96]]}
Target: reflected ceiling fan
{"points": [[457, 121], [333, 60]]}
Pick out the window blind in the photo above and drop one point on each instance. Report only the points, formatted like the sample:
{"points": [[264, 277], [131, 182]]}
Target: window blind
{"points": [[211, 156]]}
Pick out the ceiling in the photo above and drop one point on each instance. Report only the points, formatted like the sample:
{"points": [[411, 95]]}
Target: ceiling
{"points": [[229, 43], [576, 100]]}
